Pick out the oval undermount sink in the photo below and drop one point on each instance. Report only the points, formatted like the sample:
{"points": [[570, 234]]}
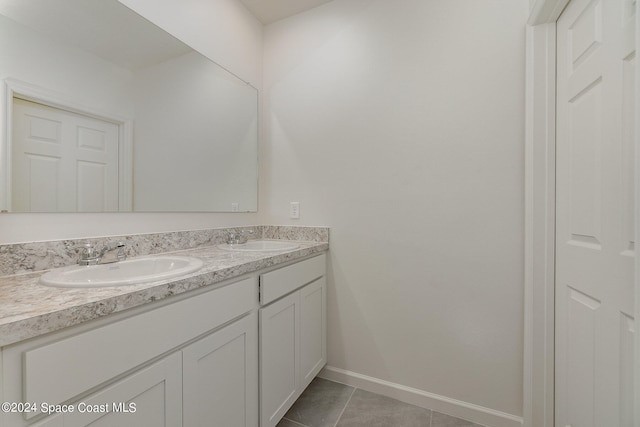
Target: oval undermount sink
{"points": [[129, 272], [261, 246]]}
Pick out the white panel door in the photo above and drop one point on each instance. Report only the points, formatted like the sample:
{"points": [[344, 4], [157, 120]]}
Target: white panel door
{"points": [[595, 246], [62, 161]]}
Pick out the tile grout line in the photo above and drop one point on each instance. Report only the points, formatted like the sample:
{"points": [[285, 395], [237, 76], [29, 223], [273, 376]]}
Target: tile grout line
{"points": [[354, 389], [345, 407], [294, 422]]}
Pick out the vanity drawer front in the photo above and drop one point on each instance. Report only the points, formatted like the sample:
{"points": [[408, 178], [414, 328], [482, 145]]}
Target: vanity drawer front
{"points": [[277, 283], [61, 370]]}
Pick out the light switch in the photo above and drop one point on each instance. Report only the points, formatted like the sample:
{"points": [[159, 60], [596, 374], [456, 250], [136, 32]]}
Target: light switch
{"points": [[294, 210]]}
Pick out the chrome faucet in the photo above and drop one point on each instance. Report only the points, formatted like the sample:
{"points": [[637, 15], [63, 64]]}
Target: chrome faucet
{"points": [[239, 238], [89, 255]]}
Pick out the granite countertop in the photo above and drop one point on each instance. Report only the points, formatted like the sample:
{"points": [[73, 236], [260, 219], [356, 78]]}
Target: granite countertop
{"points": [[28, 309]]}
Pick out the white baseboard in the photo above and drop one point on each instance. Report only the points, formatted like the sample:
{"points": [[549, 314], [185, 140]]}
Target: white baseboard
{"points": [[468, 411]]}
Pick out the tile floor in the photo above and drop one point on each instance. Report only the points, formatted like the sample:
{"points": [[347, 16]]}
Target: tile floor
{"points": [[329, 404]]}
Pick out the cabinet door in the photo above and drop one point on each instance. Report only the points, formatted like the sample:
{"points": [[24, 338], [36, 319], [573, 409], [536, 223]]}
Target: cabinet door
{"points": [[220, 377], [279, 358], [52, 421], [313, 326], [150, 397]]}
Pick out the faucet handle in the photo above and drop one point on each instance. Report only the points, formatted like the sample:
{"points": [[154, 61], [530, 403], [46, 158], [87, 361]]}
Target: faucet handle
{"points": [[88, 254], [244, 235], [232, 239], [238, 238], [114, 245], [87, 248], [121, 253]]}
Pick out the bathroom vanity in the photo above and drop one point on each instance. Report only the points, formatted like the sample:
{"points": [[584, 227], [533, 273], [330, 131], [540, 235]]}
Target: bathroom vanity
{"points": [[233, 344], [292, 334]]}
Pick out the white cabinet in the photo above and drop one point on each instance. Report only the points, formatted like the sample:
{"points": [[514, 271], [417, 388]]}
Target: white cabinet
{"points": [[292, 335], [212, 381], [220, 377], [208, 358], [52, 421], [149, 397], [279, 358], [207, 339], [313, 330]]}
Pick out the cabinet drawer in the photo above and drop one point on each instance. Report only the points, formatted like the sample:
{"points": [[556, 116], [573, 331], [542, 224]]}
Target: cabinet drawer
{"points": [[60, 370], [277, 283]]}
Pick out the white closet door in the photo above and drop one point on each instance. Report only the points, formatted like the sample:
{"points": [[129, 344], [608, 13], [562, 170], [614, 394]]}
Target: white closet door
{"points": [[595, 246], [62, 161]]}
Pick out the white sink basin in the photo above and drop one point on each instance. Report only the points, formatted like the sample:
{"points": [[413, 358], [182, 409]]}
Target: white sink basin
{"points": [[129, 272], [262, 246]]}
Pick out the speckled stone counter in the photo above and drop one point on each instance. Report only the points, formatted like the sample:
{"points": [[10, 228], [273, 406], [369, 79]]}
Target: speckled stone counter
{"points": [[28, 309]]}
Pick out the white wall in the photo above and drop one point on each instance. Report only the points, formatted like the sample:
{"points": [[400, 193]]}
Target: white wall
{"points": [[72, 73], [226, 33], [222, 30], [400, 126]]}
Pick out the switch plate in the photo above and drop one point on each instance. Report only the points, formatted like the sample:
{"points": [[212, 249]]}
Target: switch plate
{"points": [[294, 210], [234, 207]]}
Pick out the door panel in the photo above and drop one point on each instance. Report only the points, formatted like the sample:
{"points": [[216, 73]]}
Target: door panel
{"points": [[62, 161], [279, 358], [585, 148], [581, 355], [628, 153], [313, 325], [220, 377], [595, 214], [149, 398]]}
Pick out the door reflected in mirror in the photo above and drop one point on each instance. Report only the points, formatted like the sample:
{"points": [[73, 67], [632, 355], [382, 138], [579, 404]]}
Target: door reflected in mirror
{"points": [[117, 115]]}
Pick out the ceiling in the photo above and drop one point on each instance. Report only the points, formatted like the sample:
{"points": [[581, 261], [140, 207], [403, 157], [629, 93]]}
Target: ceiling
{"points": [[135, 43], [268, 11], [106, 28]]}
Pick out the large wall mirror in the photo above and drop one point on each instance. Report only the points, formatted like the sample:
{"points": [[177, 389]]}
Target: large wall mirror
{"points": [[102, 111]]}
